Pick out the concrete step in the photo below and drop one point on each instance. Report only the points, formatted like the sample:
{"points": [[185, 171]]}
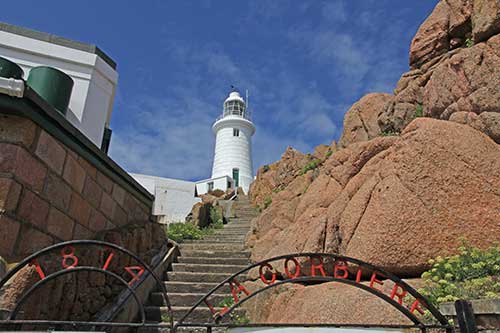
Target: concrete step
{"points": [[212, 247], [189, 287], [200, 314], [235, 228], [238, 225], [215, 253], [200, 277], [209, 260], [206, 268], [186, 299], [226, 237], [214, 241], [229, 233]]}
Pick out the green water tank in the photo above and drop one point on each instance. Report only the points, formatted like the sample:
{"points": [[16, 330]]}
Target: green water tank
{"points": [[9, 69], [52, 85]]}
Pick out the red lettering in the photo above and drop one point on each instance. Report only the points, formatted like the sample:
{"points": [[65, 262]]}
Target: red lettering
{"points": [[340, 266], [262, 275], [374, 280], [210, 307], [415, 306], [319, 266], [136, 272], [358, 275], [235, 291], [38, 268], [399, 295], [68, 253], [297, 268], [108, 260]]}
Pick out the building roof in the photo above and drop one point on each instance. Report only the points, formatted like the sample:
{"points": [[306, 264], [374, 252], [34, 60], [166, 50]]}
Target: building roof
{"points": [[49, 38]]}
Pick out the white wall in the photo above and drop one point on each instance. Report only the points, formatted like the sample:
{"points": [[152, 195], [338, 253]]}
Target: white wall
{"points": [[234, 151], [174, 198], [94, 80], [220, 183]]}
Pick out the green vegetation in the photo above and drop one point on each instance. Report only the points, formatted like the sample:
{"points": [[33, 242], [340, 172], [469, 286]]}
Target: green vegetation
{"points": [[469, 42], [329, 152], [182, 231], [240, 319], [165, 318], [389, 133], [216, 218], [278, 189], [310, 166], [267, 201], [471, 274], [227, 301], [419, 111], [265, 168]]}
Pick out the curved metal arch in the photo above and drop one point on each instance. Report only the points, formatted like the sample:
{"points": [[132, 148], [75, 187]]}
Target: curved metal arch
{"points": [[48, 249], [352, 283], [53, 276], [410, 290]]}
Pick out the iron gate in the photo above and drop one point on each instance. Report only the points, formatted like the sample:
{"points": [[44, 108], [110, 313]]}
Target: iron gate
{"points": [[303, 268]]}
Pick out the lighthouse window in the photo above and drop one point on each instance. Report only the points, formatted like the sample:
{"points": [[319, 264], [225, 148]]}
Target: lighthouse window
{"points": [[236, 132]]}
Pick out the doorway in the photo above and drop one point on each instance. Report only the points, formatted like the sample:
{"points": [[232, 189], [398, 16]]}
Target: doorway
{"points": [[236, 177]]}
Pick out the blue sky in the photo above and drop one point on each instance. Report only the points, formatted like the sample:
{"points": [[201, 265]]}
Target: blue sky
{"points": [[304, 62]]}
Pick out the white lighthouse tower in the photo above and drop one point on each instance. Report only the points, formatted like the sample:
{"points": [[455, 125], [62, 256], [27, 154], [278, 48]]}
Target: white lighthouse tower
{"points": [[233, 144]]}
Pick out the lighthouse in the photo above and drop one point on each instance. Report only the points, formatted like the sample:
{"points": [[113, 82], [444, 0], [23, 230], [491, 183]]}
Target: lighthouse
{"points": [[233, 131]]}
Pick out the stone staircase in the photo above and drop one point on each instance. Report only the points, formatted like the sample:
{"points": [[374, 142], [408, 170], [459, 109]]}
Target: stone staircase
{"points": [[201, 266]]}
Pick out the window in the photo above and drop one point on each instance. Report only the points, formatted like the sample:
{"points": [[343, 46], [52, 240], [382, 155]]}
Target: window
{"points": [[210, 186], [236, 132]]}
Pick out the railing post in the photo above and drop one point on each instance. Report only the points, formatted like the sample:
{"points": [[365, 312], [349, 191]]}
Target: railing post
{"points": [[465, 317]]}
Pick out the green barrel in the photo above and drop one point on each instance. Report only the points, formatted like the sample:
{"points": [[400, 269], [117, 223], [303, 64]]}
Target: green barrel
{"points": [[10, 69], [52, 85]]}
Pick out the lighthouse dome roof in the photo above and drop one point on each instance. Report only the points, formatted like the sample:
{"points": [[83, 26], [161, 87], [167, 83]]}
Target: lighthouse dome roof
{"points": [[234, 96]]}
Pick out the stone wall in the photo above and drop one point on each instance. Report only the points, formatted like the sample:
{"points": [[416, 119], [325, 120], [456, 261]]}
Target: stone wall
{"points": [[56, 185], [49, 193]]}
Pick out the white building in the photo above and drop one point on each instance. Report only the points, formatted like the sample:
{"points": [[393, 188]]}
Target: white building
{"points": [[233, 147], [174, 198], [93, 73]]}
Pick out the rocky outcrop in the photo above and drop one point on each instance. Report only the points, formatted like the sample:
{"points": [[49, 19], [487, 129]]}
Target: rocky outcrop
{"points": [[451, 70], [395, 202], [200, 214], [277, 176], [320, 304], [361, 121], [485, 19], [449, 20]]}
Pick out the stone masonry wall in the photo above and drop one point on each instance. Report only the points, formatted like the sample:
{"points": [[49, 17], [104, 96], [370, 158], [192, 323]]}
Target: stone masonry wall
{"points": [[50, 194]]}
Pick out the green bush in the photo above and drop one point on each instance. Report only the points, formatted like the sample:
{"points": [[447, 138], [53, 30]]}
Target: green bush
{"points": [[226, 301], [419, 111], [469, 42], [310, 166], [265, 168], [216, 218], [471, 274], [267, 201], [329, 152], [181, 231]]}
